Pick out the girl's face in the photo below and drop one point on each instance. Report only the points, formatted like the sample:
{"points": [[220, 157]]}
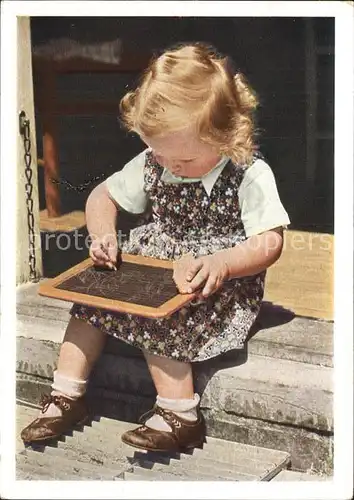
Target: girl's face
{"points": [[183, 154]]}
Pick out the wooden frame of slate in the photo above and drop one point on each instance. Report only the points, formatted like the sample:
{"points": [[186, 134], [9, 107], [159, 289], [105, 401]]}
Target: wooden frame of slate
{"points": [[143, 286]]}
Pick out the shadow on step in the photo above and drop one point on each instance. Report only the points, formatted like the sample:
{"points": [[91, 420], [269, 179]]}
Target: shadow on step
{"points": [[271, 315], [148, 459]]}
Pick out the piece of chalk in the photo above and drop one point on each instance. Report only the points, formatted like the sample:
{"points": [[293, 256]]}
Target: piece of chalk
{"points": [[104, 249]]}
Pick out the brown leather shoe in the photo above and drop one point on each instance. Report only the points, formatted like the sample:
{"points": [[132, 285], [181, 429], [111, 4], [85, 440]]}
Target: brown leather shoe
{"points": [[185, 434], [74, 412]]}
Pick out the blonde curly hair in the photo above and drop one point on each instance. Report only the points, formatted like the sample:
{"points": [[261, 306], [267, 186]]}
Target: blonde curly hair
{"points": [[192, 84]]}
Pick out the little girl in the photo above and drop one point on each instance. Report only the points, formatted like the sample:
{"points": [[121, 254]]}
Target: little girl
{"points": [[215, 212]]}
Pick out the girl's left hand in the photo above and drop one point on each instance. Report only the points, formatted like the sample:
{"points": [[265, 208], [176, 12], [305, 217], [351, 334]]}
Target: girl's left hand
{"points": [[208, 272]]}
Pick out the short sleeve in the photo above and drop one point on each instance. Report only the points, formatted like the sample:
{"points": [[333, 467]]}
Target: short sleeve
{"points": [[261, 208], [126, 187]]}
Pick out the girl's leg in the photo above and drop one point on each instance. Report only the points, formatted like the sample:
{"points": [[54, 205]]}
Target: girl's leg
{"points": [[172, 379], [177, 422], [81, 347]]}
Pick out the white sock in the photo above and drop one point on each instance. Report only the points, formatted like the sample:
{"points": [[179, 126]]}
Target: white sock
{"points": [[67, 387], [184, 408]]}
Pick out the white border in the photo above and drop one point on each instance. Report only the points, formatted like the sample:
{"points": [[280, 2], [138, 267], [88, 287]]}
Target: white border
{"points": [[8, 248], [181, 8], [341, 486], [343, 280]]}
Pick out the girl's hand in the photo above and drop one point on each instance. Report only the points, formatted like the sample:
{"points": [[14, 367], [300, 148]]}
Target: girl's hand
{"points": [[208, 272], [104, 250], [180, 270]]}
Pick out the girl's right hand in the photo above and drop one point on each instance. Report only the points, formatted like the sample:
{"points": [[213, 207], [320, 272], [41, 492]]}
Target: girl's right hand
{"points": [[104, 251]]}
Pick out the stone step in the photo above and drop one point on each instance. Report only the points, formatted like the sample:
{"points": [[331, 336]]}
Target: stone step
{"points": [[214, 448], [207, 468], [290, 475], [259, 400], [27, 295], [87, 456], [278, 390], [223, 464], [220, 451], [89, 447], [140, 474], [103, 437], [49, 326], [100, 445], [36, 465], [300, 339], [249, 471], [275, 390]]}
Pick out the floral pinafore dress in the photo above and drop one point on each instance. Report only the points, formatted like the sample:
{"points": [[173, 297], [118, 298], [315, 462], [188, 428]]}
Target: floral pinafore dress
{"points": [[185, 219]]}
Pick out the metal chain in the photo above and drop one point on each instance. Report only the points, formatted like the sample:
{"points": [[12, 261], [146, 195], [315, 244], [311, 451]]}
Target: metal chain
{"points": [[79, 187], [24, 125]]}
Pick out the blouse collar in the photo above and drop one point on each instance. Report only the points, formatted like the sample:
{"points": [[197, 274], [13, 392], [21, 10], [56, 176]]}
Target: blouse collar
{"points": [[208, 180]]}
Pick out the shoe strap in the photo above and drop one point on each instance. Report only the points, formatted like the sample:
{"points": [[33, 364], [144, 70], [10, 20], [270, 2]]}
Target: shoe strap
{"points": [[145, 416], [175, 422], [59, 401]]}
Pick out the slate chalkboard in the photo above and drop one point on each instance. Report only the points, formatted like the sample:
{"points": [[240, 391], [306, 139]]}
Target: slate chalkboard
{"points": [[145, 285], [141, 285]]}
